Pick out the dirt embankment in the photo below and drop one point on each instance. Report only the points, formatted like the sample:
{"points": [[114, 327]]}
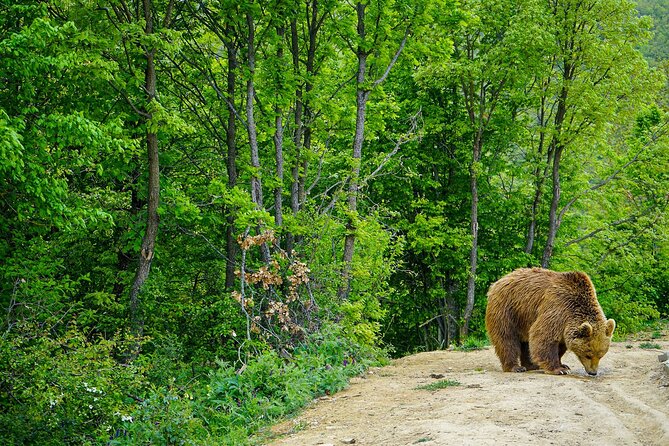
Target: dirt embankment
{"points": [[626, 404]]}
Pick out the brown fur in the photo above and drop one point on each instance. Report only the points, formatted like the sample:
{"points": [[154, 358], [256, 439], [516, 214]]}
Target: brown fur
{"points": [[535, 315]]}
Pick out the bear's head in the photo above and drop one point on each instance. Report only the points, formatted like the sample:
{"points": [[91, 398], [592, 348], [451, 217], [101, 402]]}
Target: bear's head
{"points": [[590, 342]]}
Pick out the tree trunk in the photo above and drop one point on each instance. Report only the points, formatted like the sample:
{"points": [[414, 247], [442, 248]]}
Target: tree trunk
{"points": [[278, 145], [314, 26], [553, 220], [149, 240], [539, 179], [349, 241], [231, 142], [256, 183], [452, 318], [361, 106], [297, 136], [473, 253]]}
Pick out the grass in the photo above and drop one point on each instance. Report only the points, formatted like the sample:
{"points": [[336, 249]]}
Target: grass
{"points": [[438, 385], [650, 345], [471, 344]]}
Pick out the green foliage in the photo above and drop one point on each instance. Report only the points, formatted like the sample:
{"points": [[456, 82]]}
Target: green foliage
{"points": [[63, 390], [229, 405], [472, 343], [241, 314], [70, 390]]}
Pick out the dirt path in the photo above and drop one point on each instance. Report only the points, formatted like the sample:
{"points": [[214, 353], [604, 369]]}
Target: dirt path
{"points": [[627, 404]]}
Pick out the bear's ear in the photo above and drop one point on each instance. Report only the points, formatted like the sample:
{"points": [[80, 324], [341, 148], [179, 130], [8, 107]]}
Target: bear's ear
{"points": [[584, 331], [610, 326]]}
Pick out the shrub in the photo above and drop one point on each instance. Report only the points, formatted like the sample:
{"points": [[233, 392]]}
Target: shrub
{"points": [[230, 404], [63, 390]]}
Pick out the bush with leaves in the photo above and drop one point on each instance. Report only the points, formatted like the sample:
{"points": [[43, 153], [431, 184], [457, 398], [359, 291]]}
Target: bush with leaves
{"points": [[231, 404], [67, 389]]}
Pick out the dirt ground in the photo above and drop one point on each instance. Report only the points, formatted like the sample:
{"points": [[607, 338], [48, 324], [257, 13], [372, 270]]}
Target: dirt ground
{"points": [[626, 404]]}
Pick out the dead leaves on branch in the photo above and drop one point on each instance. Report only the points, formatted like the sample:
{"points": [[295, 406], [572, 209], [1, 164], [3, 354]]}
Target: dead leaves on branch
{"points": [[275, 297]]}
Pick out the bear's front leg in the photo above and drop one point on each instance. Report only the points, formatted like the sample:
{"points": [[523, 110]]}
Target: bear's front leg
{"points": [[562, 349], [545, 352]]}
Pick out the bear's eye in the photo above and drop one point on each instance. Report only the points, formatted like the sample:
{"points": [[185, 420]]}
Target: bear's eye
{"points": [[588, 357]]}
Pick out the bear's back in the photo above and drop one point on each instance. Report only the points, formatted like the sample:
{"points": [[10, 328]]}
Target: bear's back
{"points": [[527, 291]]}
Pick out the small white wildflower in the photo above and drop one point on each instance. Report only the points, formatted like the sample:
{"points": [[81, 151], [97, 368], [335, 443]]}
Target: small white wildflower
{"points": [[127, 418]]}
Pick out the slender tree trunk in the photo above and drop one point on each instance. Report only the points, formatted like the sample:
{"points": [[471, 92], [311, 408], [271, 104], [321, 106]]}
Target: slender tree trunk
{"points": [[310, 68], [278, 146], [538, 192], [349, 241], [149, 240], [256, 183], [553, 220], [474, 225], [278, 190], [448, 322], [539, 178], [297, 136], [361, 106], [362, 95], [453, 314], [231, 142], [442, 328], [304, 165]]}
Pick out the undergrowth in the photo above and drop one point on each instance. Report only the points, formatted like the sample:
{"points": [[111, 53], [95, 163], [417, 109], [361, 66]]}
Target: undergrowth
{"points": [[157, 403]]}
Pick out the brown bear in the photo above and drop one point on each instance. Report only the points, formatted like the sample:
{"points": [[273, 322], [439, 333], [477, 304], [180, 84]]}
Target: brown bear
{"points": [[535, 315]]}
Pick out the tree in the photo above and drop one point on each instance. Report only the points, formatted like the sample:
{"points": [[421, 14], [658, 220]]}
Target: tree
{"points": [[145, 14], [365, 46], [595, 45], [493, 59]]}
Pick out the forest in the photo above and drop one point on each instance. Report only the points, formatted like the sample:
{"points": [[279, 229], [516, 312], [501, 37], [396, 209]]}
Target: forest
{"points": [[213, 211]]}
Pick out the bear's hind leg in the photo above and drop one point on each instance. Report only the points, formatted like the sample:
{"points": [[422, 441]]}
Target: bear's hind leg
{"points": [[504, 336], [525, 359], [508, 352]]}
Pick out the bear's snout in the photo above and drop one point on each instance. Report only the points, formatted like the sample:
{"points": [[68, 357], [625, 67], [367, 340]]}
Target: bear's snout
{"points": [[592, 373]]}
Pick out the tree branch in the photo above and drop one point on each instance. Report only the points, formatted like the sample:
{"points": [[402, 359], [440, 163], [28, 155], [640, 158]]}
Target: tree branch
{"points": [[394, 59]]}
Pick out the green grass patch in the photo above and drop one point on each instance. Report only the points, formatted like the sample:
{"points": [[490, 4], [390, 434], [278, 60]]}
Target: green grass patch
{"points": [[650, 345], [437, 385], [471, 344]]}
